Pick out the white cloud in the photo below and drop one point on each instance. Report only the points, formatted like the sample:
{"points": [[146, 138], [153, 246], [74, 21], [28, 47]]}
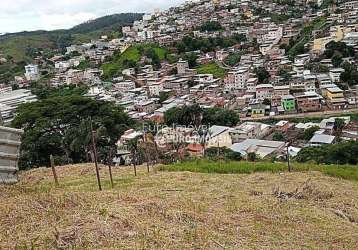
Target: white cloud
{"points": [[19, 15]]}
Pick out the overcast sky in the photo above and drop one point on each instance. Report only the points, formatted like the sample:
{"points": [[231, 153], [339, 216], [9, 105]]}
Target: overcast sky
{"points": [[20, 15]]}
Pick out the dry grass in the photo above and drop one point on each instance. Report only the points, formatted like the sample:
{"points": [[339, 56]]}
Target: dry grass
{"points": [[179, 210]]}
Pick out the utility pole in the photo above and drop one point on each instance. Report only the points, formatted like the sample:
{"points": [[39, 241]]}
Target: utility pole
{"points": [[110, 161], [52, 162], [146, 150], [288, 157], [93, 133]]}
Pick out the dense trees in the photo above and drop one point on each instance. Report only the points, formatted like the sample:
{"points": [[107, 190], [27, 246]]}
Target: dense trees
{"points": [[221, 117], [338, 48], [110, 22], [60, 125], [233, 59], [192, 59], [262, 74], [216, 153], [279, 136], [195, 115], [210, 26], [188, 43], [342, 153], [308, 133], [350, 74]]}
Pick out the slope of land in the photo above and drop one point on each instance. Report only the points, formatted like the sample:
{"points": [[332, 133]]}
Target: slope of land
{"points": [[17, 45], [178, 210], [130, 58]]}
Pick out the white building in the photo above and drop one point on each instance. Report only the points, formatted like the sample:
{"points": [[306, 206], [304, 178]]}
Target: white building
{"points": [[155, 89], [237, 79], [335, 74], [32, 72], [62, 66]]}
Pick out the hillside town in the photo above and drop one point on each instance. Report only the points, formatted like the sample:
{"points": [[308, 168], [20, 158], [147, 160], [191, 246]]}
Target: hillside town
{"points": [[181, 124], [262, 59]]}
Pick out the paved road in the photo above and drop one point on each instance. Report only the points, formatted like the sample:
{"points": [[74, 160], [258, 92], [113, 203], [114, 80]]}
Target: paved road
{"points": [[322, 114]]}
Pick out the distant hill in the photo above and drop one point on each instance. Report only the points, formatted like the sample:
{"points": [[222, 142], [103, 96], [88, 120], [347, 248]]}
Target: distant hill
{"points": [[111, 22], [20, 45]]}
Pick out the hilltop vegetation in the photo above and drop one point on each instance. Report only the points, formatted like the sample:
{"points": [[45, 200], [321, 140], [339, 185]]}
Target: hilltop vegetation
{"points": [[131, 57], [212, 68], [18, 45], [166, 210]]}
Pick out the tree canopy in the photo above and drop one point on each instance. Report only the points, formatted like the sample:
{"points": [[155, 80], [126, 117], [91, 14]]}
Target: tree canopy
{"points": [[61, 126], [195, 115], [211, 26], [188, 43], [262, 74], [342, 153]]}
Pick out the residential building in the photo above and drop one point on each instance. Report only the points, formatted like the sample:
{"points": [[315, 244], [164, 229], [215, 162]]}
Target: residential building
{"points": [[321, 139], [261, 148], [335, 98], [264, 91], [32, 72], [288, 103], [308, 102], [219, 136], [335, 74]]}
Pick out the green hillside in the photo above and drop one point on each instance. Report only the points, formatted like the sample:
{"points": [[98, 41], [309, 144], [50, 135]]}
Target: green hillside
{"points": [[131, 58], [19, 45], [212, 68]]}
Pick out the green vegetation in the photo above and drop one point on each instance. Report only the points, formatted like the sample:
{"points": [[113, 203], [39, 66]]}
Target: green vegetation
{"points": [[211, 26], [10, 69], [233, 167], [341, 153], [316, 119], [305, 35], [262, 74], [195, 115], [18, 44], [212, 68], [107, 23], [233, 59], [350, 74], [309, 133], [59, 124], [43, 92], [216, 154], [85, 65], [279, 18], [337, 51], [131, 57], [188, 43], [121, 61], [279, 136]]}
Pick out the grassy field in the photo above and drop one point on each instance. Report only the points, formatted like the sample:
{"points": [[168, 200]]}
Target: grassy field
{"points": [[178, 210], [212, 68], [16, 46], [133, 54], [203, 166]]}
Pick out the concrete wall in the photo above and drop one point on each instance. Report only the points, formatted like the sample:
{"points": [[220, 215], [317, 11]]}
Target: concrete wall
{"points": [[10, 141]]}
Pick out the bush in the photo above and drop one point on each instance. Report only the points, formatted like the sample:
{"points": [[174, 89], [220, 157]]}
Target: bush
{"points": [[342, 153], [224, 153]]}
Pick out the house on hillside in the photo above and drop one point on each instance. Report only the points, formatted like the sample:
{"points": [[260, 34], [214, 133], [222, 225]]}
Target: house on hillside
{"points": [[262, 148], [219, 136], [321, 139]]}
